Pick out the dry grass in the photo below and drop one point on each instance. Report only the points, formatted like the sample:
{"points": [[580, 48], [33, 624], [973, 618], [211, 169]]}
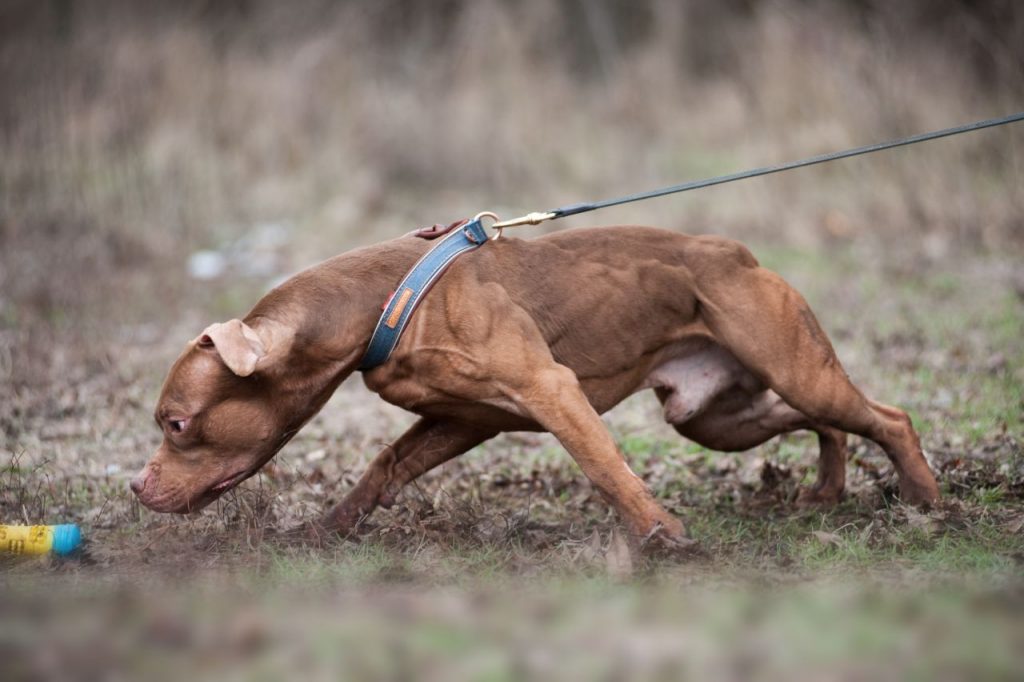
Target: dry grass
{"points": [[518, 506], [133, 135]]}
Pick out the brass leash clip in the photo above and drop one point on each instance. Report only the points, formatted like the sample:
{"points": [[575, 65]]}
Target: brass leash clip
{"points": [[528, 219]]}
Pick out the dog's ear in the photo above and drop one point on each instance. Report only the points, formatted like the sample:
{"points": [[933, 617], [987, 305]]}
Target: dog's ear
{"points": [[242, 348], [238, 345]]}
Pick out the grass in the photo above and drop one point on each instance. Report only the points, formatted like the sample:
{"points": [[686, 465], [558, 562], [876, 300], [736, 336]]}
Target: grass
{"points": [[520, 503], [549, 629], [139, 136]]}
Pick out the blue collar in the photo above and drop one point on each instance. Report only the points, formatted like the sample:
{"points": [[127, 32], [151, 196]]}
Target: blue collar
{"points": [[414, 286]]}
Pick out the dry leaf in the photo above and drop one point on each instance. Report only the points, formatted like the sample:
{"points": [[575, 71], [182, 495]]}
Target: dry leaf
{"points": [[826, 538], [591, 550], [618, 558], [915, 519]]}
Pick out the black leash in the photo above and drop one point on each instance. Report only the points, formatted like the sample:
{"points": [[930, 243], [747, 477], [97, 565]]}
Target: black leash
{"points": [[575, 209], [468, 235]]}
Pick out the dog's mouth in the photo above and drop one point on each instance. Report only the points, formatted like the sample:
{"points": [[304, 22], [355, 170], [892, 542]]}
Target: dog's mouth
{"points": [[230, 482], [218, 489], [214, 491], [199, 501]]}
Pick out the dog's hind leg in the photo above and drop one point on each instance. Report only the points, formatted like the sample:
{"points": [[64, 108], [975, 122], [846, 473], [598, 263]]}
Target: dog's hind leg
{"points": [[427, 444], [827, 490], [739, 420], [771, 330]]}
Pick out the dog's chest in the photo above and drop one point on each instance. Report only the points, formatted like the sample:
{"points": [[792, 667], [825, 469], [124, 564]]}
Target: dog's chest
{"points": [[417, 392]]}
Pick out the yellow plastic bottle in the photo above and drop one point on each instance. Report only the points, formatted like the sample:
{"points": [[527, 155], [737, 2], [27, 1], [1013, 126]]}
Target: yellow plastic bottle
{"points": [[60, 540]]}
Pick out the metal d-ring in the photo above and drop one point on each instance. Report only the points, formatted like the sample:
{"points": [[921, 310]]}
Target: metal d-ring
{"points": [[489, 214]]}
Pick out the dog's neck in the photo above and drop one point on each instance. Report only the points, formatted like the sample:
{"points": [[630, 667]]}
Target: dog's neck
{"points": [[334, 307]]}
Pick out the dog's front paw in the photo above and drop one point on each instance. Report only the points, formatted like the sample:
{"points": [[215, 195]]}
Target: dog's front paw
{"points": [[922, 495], [667, 538], [627, 550]]}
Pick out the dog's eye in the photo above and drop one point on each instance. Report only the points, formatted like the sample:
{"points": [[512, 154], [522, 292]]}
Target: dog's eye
{"points": [[178, 425]]}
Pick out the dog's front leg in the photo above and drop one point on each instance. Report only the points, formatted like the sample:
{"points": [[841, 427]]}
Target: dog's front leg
{"points": [[555, 400], [427, 444]]}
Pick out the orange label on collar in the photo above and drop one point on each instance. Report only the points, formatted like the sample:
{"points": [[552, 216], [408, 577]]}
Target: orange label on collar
{"points": [[396, 314]]}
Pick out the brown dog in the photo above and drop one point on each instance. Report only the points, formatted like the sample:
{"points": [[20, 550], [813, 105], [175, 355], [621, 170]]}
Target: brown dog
{"points": [[543, 334]]}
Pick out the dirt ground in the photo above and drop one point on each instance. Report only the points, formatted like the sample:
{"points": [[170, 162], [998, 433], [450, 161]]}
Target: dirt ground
{"points": [[512, 529], [164, 164]]}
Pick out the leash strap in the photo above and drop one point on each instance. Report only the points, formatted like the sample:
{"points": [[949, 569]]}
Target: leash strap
{"points": [[575, 209], [414, 286], [431, 266]]}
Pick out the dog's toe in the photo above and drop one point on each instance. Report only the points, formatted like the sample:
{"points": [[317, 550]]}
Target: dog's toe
{"points": [[668, 541], [919, 495]]}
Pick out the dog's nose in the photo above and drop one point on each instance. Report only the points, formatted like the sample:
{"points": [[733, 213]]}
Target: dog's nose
{"points": [[138, 483]]}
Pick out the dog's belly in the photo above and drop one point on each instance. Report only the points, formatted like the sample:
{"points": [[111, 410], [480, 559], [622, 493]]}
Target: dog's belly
{"points": [[689, 384], [710, 398]]}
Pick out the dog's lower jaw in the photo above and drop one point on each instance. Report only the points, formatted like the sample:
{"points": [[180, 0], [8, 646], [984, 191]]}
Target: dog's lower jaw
{"points": [[193, 505], [168, 505]]}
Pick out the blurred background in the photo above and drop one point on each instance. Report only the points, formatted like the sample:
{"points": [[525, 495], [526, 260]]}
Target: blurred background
{"points": [[137, 133], [162, 164]]}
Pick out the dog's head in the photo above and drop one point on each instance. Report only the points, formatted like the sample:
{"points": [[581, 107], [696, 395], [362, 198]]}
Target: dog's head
{"points": [[221, 416]]}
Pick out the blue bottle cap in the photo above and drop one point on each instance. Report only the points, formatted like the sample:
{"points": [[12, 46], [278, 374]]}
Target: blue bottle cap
{"points": [[66, 539]]}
